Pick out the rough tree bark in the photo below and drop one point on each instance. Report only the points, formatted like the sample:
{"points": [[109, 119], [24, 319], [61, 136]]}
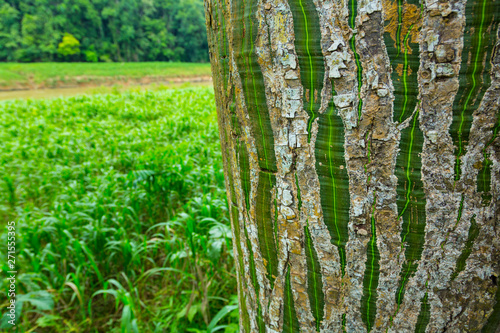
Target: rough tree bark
{"points": [[362, 162]]}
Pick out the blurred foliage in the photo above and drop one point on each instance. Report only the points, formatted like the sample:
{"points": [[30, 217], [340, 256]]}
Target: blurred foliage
{"points": [[121, 30], [121, 213], [69, 46]]}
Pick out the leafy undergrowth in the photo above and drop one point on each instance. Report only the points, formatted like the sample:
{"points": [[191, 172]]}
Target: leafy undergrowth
{"points": [[121, 214]]}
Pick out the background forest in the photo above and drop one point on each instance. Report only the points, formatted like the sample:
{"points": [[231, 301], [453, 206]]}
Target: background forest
{"points": [[102, 30]]}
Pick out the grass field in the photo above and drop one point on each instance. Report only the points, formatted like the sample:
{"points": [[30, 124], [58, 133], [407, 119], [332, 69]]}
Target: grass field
{"points": [[52, 75], [120, 211]]}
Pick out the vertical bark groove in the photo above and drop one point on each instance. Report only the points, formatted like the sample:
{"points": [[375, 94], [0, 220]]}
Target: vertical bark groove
{"points": [[411, 202], [370, 283], [312, 68], [314, 282], [333, 179], [474, 72], [353, 11], [290, 321]]}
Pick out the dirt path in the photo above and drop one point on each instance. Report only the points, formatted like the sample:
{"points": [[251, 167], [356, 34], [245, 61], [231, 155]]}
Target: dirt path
{"points": [[106, 87]]}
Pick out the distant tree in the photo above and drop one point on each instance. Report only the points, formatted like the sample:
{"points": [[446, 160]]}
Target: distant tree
{"points": [[69, 46], [91, 55], [9, 31], [190, 30]]}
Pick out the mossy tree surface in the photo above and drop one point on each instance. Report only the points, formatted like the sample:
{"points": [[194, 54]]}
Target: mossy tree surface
{"points": [[362, 161]]}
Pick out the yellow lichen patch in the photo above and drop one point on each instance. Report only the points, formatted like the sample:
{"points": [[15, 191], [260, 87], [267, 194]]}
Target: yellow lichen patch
{"points": [[478, 165], [400, 68], [280, 21], [411, 20], [237, 90], [263, 60]]}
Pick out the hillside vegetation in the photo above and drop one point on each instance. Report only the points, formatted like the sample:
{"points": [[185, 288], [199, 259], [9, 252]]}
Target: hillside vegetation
{"points": [[104, 30]]}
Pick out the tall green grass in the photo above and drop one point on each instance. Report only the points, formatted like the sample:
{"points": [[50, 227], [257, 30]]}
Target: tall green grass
{"points": [[121, 213]]}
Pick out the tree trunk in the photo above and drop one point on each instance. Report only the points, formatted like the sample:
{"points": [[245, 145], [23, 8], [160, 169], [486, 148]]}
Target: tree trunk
{"points": [[362, 162]]}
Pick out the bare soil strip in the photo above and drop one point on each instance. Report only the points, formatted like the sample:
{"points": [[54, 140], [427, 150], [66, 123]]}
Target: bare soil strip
{"points": [[104, 86]]}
